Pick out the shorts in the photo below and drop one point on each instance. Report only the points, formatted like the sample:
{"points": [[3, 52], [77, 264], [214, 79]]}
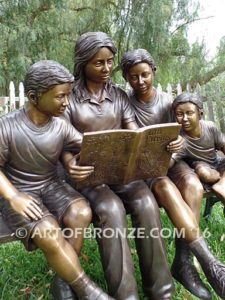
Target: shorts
{"points": [[151, 181], [179, 171], [218, 165], [54, 200]]}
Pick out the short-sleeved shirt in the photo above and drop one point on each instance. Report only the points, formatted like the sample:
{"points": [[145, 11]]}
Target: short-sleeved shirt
{"points": [[29, 153], [87, 114], [203, 148], [158, 111]]}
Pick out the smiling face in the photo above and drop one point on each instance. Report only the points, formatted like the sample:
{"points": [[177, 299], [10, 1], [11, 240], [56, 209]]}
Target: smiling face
{"points": [[99, 68], [54, 101], [141, 77], [188, 115]]}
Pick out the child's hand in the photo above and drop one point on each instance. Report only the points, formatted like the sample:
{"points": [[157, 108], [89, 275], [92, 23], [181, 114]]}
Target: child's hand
{"points": [[175, 146], [76, 172], [26, 205]]}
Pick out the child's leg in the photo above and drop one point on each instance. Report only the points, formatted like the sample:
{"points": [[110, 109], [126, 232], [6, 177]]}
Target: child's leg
{"points": [[71, 209], [189, 185], [206, 173], [182, 217], [170, 198], [59, 253], [64, 260], [219, 188], [77, 217]]}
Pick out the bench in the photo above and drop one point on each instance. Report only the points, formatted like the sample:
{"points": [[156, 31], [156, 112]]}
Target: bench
{"points": [[6, 235], [211, 199]]}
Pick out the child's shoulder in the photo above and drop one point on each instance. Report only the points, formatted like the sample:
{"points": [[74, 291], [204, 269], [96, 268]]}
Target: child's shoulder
{"points": [[11, 116], [164, 96], [62, 124], [208, 124], [61, 121]]}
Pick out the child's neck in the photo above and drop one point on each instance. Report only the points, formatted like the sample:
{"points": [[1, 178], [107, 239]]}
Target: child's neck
{"points": [[35, 116], [148, 97], [196, 132], [94, 89]]}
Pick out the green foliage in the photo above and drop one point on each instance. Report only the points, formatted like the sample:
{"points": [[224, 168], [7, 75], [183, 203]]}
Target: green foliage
{"points": [[38, 29]]}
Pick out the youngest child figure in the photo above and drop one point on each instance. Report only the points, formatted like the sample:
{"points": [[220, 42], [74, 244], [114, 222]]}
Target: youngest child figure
{"points": [[202, 143]]}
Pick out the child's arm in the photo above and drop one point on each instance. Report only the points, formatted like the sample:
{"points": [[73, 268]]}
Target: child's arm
{"points": [[172, 163], [20, 202]]}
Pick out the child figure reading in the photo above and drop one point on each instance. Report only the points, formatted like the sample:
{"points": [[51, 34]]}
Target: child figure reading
{"points": [[32, 139]]}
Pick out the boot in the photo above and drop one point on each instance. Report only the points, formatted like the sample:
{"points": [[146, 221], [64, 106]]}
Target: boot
{"points": [[61, 290], [185, 272], [87, 289], [214, 270]]}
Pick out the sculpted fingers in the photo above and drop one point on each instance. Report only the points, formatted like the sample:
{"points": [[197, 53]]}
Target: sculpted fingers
{"points": [[175, 146], [81, 172], [34, 202]]}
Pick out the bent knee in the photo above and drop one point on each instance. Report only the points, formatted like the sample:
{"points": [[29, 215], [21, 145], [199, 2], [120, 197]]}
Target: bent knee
{"points": [[193, 184], [78, 212], [163, 184], [112, 208]]}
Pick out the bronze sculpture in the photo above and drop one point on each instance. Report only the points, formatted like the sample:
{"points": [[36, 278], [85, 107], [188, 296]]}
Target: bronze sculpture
{"points": [[202, 140], [152, 107], [32, 139], [123, 156], [97, 104]]}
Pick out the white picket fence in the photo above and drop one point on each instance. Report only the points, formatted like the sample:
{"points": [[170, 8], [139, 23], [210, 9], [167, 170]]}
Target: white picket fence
{"points": [[12, 102]]}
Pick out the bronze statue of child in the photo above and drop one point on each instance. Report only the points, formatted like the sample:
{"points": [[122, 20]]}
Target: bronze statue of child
{"points": [[32, 139], [181, 201], [203, 140]]}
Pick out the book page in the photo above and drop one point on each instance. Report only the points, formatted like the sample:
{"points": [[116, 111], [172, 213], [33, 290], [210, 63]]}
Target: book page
{"points": [[109, 153], [152, 158], [121, 156]]}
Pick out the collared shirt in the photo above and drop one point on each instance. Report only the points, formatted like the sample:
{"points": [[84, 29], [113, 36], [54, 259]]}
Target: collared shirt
{"points": [[111, 111]]}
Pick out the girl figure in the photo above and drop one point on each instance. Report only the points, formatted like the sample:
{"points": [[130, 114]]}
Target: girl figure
{"points": [[97, 104]]}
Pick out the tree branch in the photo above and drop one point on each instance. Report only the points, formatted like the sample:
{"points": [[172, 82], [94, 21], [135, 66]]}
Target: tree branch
{"points": [[36, 13], [202, 80], [77, 9], [189, 22]]}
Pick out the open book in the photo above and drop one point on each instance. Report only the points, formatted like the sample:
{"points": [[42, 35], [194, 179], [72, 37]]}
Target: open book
{"points": [[122, 156]]}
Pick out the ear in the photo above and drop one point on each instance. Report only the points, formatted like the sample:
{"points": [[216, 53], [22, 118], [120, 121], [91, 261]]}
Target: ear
{"points": [[200, 113], [32, 96]]}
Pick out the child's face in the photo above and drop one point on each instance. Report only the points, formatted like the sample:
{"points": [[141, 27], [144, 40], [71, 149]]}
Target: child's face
{"points": [[99, 68], [140, 77], [188, 116], [54, 101]]}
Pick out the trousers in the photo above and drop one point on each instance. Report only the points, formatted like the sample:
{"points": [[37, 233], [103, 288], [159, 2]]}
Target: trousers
{"points": [[110, 206]]}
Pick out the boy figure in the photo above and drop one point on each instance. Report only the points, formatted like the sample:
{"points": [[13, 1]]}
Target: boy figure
{"points": [[32, 139], [202, 140]]}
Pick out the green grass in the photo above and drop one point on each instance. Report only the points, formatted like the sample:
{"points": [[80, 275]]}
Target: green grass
{"points": [[26, 275]]}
